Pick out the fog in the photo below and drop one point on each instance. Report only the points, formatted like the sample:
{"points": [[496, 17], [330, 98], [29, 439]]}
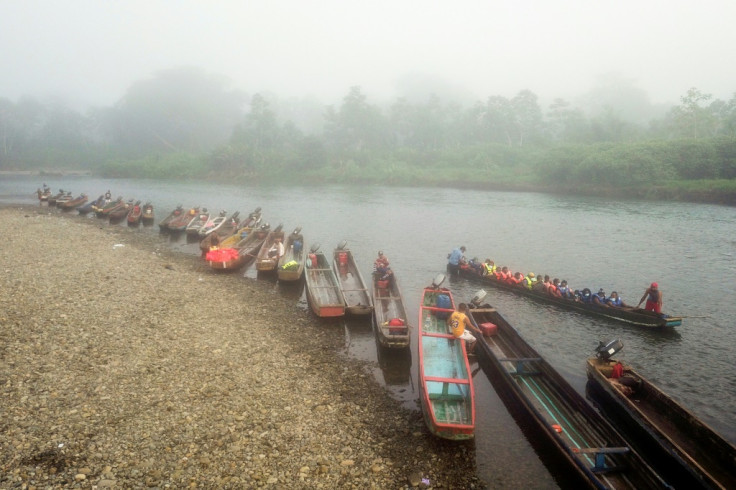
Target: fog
{"points": [[88, 52]]}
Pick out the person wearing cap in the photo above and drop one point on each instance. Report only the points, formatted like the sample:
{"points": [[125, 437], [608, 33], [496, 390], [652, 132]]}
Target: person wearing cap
{"points": [[529, 281], [654, 298], [455, 259]]}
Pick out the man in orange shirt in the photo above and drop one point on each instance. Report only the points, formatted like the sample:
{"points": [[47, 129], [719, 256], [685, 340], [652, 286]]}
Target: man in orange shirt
{"points": [[458, 322]]}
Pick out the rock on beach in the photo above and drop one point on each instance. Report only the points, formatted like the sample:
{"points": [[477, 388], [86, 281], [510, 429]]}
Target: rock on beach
{"points": [[136, 366]]}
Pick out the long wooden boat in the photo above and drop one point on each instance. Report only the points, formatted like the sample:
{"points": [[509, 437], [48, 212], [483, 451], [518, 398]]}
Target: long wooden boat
{"points": [[55, 197], [104, 211], [242, 253], [589, 446], [117, 214], [73, 203], [134, 214], [179, 223], [323, 290], [197, 222], [216, 223], [446, 389], [690, 453], [90, 205], [147, 215], [232, 240], [353, 288], [164, 224], [634, 316], [291, 264], [268, 256], [390, 320]]}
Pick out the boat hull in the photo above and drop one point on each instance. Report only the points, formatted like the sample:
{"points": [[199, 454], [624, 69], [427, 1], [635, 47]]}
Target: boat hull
{"points": [[688, 451], [633, 316], [388, 304], [323, 291], [352, 286]]}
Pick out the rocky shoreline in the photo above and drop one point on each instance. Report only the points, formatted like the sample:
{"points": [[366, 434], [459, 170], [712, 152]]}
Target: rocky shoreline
{"points": [[124, 364]]}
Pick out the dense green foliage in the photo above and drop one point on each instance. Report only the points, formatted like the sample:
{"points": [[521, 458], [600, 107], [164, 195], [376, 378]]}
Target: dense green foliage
{"points": [[184, 124]]}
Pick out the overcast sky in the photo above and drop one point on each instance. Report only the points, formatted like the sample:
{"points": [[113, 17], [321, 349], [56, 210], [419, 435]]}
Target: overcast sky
{"points": [[90, 51]]}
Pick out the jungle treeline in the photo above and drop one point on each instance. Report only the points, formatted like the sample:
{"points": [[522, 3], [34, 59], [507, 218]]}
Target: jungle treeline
{"points": [[186, 124]]}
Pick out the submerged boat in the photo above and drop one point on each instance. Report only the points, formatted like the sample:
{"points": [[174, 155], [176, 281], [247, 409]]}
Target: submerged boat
{"points": [[689, 452], [634, 316], [446, 388], [323, 290], [354, 291], [389, 316], [291, 264], [589, 446]]}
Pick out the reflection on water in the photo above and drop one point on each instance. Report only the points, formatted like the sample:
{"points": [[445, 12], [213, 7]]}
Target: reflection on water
{"points": [[689, 249]]}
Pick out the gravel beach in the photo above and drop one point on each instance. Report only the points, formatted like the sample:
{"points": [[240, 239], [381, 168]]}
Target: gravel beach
{"points": [[124, 364]]}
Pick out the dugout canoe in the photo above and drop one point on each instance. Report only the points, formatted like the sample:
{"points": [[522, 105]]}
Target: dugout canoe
{"points": [[634, 316], [446, 392], [323, 290], [591, 449], [689, 452], [390, 320], [353, 288], [291, 264]]}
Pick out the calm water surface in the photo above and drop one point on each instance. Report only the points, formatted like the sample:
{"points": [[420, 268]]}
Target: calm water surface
{"points": [[689, 249]]}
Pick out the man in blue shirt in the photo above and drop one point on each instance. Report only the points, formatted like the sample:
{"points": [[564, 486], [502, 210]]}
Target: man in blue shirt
{"points": [[455, 258]]}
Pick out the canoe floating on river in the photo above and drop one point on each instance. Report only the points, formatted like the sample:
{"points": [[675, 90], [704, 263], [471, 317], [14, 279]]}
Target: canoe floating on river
{"points": [[689, 452]]}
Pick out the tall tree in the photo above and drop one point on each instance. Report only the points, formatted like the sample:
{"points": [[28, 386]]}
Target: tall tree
{"points": [[692, 119]]}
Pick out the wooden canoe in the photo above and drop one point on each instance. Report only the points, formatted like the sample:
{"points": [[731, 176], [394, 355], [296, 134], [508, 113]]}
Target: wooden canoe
{"points": [[353, 288], [589, 446], [446, 388], [73, 203], [134, 214], [323, 290], [180, 222], [197, 222], [164, 224], [147, 216], [390, 320], [53, 198], [291, 264], [634, 316], [109, 206], [268, 256], [119, 212], [689, 452], [241, 254], [90, 205]]}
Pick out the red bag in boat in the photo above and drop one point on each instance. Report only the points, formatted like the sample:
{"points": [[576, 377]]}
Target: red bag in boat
{"points": [[222, 255], [396, 326], [618, 371]]}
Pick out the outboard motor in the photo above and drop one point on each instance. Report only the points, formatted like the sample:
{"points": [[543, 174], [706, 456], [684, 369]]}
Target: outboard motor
{"points": [[314, 248], [438, 280], [606, 351], [478, 298], [342, 245]]}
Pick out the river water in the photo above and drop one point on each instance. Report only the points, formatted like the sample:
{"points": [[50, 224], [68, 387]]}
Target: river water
{"points": [[689, 249]]}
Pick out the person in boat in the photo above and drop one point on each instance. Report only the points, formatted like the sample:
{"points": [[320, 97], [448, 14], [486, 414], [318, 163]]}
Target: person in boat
{"points": [[586, 296], [476, 265], [516, 280], [297, 246], [615, 300], [455, 259], [502, 274], [380, 262], [599, 298], [539, 285], [459, 324], [529, 280], [489, 267], [564, 289], [554, 288], [654, 298], [277, 249]]}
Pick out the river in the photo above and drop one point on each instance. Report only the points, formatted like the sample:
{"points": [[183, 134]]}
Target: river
{"points": [[689, 249]]}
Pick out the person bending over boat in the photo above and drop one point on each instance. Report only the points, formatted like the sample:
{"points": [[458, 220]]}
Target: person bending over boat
{"points": [[459, 324], [654, 298], [455, 259], [615, 300], [277, 249]]}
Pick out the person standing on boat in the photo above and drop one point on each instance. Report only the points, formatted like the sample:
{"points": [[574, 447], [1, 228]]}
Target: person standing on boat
{"points": [[654, 298], [455, 259], [459, 324]]}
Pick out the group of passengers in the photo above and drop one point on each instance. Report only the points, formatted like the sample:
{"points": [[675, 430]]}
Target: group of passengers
{"points": [[553, 287]]}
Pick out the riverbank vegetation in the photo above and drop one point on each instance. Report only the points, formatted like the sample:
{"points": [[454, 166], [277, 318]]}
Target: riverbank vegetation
{"points": [[185, 124]]}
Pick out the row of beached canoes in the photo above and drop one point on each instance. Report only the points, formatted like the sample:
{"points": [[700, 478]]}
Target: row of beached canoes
{"points": [[103, 207]]}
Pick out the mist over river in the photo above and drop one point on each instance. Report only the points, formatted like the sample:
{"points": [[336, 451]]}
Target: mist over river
{"points": [[689, 249]]}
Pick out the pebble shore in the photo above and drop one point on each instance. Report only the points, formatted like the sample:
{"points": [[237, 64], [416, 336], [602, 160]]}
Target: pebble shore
{"points": [[124, 364]]}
